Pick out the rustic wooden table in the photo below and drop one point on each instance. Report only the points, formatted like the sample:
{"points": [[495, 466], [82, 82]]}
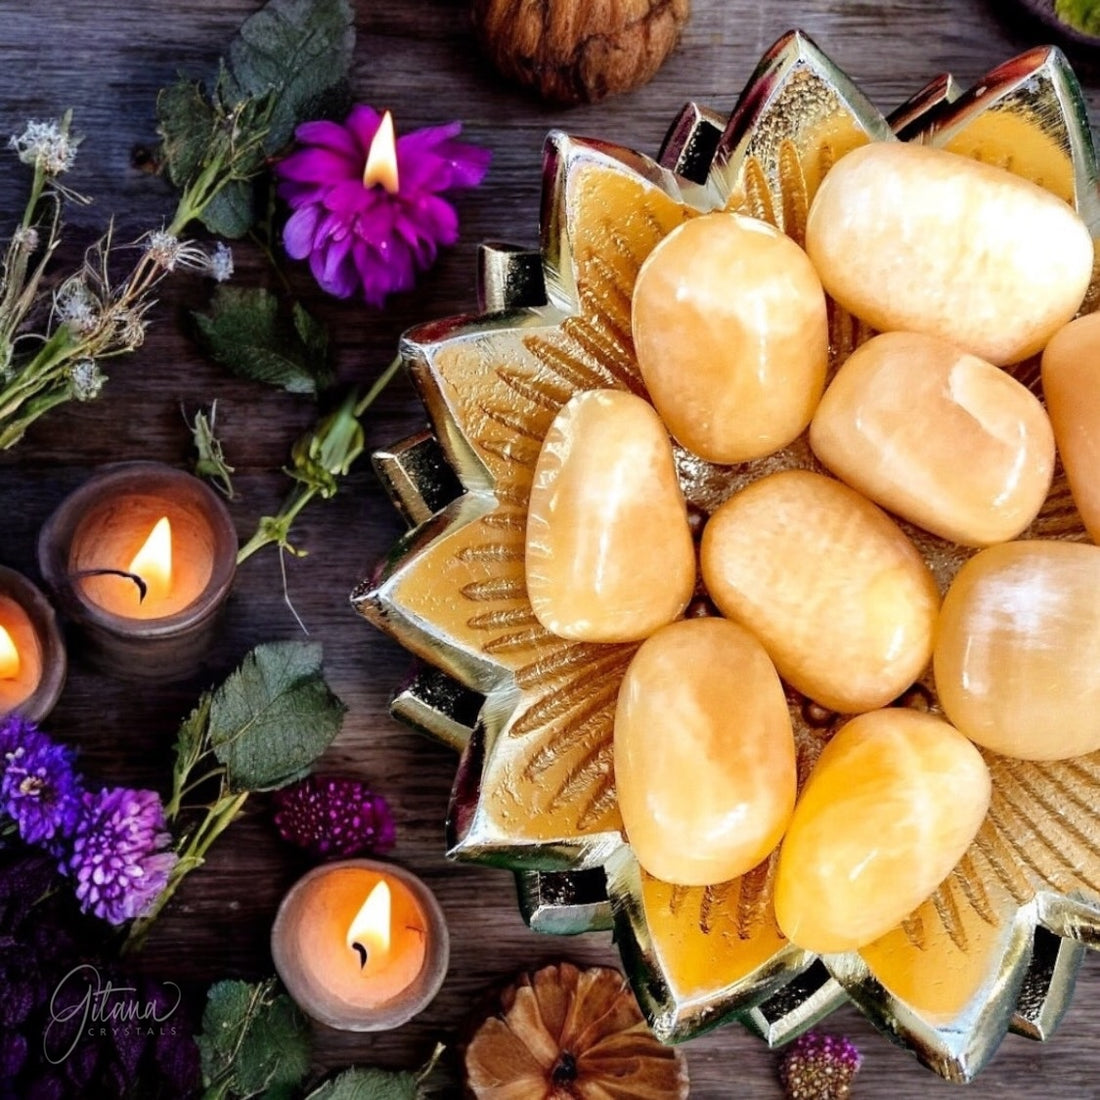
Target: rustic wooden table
{"points": [[105, 59]]}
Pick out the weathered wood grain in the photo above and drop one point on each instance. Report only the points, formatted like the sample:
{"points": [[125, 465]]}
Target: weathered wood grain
{"points": [[106, 58]]}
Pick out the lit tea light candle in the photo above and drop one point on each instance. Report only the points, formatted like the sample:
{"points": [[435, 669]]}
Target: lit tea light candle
{"points": [[360, 945], [32, 653], [142, 557]]}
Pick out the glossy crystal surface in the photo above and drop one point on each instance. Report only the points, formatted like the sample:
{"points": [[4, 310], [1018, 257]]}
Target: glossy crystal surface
{"points": [[535, 787]]}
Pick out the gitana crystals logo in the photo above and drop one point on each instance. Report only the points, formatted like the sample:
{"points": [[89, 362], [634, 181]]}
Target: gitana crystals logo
{"points": [[85, 1006]]}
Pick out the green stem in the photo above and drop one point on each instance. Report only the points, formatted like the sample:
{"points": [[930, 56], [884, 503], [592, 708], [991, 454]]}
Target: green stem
{"points": [[220, 816], [279, 526], [381, 382]]}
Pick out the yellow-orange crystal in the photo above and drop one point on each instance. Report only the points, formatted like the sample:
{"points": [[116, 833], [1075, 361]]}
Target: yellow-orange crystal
{"points": [[1017, 656], [731, 336], [891, 806], [915, 238], [841, 599], [704, 753], [609, 554], [937, 436], [1071, 386]]}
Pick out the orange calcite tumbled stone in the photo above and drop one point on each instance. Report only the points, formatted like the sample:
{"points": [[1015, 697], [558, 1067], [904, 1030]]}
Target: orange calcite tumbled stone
{"points": [[731, 335], [609, 554], [704, 753], [915, 238], [1071, 386], [891, 806], [937, 436], [1017, 656], [839, 596]]}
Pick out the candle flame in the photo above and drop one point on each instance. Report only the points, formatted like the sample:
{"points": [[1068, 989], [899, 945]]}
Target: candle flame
{"points": [[9, 657], [153, 562], [382, 157], [369, 932]]}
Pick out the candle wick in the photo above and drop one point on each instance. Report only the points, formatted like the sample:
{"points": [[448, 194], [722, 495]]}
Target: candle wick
{"points": [[142, 587], [361, 951]]}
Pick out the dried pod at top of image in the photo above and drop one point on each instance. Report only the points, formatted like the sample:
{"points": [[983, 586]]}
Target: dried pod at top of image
{"points": [[576, 51]]}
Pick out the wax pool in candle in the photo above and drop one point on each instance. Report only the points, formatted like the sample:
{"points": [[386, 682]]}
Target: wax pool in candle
{"points": [[20, 655], [165, 542], [350, 907]]}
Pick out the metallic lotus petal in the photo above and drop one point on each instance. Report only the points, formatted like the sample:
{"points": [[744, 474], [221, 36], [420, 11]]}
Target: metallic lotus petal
{"points": [[532, 713]]}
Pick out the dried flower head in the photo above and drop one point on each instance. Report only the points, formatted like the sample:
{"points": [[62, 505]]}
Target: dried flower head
{"points": [[360, 236], [119, 861], [75, 305], [220, 263], [819, 1067], [331, 817], [26, 239], [39, 788], [46, 146], [565, 1033], [86, 379]]}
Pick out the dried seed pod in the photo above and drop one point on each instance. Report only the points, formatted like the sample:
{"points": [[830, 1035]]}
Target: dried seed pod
{"points": [[568, 1034], [573, 51]]}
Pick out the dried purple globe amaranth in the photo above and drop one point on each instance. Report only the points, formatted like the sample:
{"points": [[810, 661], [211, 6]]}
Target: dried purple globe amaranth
{"points": [[332, 817], [39, 787], [819, 1067], [119, 859], [360, 235]]}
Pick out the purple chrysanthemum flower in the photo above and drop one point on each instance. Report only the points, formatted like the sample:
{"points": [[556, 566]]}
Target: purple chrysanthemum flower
{"points": [[119, 859], [366, 237], [332, 817], [819, 1067], [39, 787]]}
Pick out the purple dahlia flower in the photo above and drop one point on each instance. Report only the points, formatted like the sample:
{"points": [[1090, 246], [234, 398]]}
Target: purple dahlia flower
{"points": [[39, 787], [119, 861], [331, 817], [365, 237]]}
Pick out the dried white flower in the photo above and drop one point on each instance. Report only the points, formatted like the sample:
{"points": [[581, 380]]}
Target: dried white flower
{"points": [[25, 238], [131, 328], [46, 145], [75, 305], [169, 252], [221, 262], [86, 379]]}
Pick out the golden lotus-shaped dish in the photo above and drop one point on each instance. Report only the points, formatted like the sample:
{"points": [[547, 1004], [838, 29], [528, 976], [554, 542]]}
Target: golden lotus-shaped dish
{"points": [[998, 945]]}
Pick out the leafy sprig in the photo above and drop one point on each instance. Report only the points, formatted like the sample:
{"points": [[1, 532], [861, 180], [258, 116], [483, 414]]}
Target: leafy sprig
{"points": [[255, 1042], [261, 729]]}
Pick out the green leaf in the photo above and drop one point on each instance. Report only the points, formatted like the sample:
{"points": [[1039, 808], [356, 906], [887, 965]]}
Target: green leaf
{"points": [[369, 1084], [300, 49], [274, 716], [186, 122], [254, 1042], [1082, 14], [190, 746], [231, 212], [246, 332]]}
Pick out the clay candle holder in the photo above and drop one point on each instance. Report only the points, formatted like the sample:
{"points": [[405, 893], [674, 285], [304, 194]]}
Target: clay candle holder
{"points": [[32, 651], [360, 945], [148, 522]]}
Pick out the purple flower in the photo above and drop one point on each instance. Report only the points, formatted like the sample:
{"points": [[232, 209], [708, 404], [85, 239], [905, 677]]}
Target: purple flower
{"points": [[367, 237], [332, 817], [119, 858], [819, 1067], [39, 789]]}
